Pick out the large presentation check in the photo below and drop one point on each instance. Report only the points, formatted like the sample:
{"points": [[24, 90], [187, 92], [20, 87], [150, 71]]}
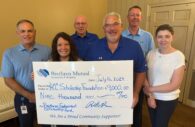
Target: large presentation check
{"points": [[84, 93]]}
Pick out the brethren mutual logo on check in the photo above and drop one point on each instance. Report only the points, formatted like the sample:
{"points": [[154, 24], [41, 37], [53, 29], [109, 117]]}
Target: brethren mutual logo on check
{"points": [[84, 93]]}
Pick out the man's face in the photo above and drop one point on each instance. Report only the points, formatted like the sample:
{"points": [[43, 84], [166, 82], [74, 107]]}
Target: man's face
{"points": [[26, 33], [80, 25], [134, 17], [112, 29]]}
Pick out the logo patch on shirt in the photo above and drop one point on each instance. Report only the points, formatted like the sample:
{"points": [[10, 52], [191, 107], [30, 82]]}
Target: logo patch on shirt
{"points": [[100, 58]]}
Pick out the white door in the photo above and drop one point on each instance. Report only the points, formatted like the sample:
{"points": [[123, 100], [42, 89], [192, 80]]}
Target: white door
{"points": [[182, 18], [189, 96]]}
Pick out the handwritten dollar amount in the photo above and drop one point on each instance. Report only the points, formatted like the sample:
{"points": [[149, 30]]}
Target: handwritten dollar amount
{"points": [[116, 87]]}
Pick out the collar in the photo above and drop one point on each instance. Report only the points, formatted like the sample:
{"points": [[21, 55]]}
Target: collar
{"points": [[22, 48], [120, 43], [138, 33], [86, 35]]}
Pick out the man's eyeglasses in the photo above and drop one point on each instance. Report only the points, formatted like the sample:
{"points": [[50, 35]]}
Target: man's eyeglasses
{"points": [[112, 25], [80, 23], [135, 15]]}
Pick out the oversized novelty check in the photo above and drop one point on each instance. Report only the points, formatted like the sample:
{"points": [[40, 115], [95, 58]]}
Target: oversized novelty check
{"points": [[84, 93]]}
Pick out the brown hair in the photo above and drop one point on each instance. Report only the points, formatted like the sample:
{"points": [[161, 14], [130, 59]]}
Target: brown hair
{"points": [[136, 6], [73, 52], [165, 27]]}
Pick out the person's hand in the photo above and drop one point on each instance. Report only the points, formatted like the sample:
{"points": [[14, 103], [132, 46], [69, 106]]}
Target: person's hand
{"points": [[31, 97], [135, 99], [32, 75], [151, 102], [146, 90]]}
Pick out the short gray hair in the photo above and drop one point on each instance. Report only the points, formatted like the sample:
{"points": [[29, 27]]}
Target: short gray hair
{"points": [[24, 21], [112, 14]]}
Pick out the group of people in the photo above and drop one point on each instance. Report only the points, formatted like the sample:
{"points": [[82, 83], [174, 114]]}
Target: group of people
{"points": [[159, 81]]}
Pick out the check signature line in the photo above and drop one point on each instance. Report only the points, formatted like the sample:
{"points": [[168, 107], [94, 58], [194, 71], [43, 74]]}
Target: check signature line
{"points": [[108, 95]]}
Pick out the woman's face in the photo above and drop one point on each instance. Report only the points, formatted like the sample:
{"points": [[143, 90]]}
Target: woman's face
{"points": [[63, 48], [164, 39]]}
